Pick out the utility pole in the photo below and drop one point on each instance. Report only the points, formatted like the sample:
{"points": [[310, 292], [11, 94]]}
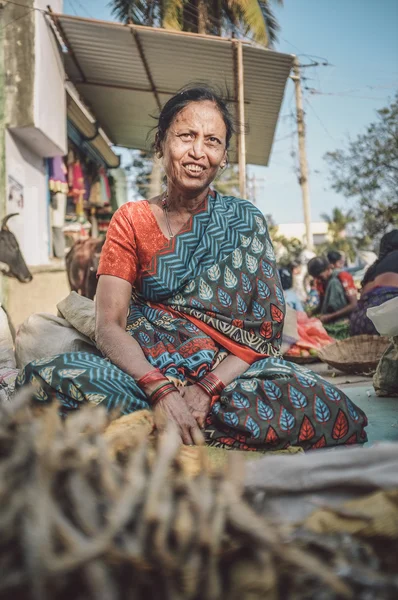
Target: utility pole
{"points": [[240, 99], [302, 154], [3, 287]]}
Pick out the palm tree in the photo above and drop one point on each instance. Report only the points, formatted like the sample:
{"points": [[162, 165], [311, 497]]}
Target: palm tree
{"points": [[337, 226], [240, 18]]}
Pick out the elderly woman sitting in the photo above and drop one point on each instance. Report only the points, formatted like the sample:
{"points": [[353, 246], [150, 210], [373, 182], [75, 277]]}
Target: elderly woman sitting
{"points": [[190, 310]]}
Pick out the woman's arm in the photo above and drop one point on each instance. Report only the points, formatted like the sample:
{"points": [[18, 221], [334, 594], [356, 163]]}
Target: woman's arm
{"points": [[343, 312], [230, 368], [112, 304]]}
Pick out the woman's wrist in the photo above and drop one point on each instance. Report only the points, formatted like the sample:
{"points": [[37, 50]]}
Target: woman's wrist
{"points": [[162, 391], [211, 384]]}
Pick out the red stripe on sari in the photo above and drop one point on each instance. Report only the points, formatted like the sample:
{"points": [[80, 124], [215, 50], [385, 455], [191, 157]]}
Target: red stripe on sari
{"points": [[247, 354]]}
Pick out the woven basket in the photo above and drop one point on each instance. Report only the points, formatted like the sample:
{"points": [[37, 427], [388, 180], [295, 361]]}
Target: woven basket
{"points": [[357, 355], [302, 360]]}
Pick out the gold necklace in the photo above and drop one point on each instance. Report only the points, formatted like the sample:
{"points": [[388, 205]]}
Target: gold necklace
{"points": [[165, 207]]}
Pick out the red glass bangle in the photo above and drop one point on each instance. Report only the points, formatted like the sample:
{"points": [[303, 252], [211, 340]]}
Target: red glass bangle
{"points": [[211, 384], [161, 392], [151, 377]]}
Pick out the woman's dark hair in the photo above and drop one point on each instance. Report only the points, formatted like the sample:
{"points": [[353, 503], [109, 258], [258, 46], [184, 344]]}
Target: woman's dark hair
{"points": [[388, 243], [334, 256], [286, 278], [178, 102], [317, 265]]}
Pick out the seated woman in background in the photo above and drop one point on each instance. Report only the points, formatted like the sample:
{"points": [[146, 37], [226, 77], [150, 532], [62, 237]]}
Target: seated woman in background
{"points": [[286, 275], [337, 296], [379, 284]]}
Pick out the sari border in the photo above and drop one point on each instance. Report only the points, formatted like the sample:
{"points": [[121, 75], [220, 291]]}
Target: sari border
{"points": [[246, 354]]}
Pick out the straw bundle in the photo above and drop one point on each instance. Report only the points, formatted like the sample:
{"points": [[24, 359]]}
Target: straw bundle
{"points": [[76, 523]]}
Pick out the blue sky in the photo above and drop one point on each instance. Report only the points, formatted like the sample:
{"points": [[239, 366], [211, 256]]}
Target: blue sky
{"points": [[359, 38]]}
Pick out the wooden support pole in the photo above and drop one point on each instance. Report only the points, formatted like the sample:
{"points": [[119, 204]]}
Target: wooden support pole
{"points": [[302, 155], [241, 133]]}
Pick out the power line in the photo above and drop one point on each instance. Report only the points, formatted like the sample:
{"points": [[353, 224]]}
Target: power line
{"points": [[320, 121], [84, 9], [30, 10], [73, 7], [285, 137], [315, 92]]}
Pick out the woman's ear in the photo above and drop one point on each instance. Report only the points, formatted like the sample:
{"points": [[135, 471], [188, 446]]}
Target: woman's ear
{"points": [[224, 161]]}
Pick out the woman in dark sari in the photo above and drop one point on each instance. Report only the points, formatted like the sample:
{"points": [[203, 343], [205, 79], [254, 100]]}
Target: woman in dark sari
{"points": [[379, 284], [190, 311]]}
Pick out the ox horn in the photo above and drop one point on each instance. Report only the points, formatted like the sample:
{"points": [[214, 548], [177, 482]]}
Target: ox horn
{"points": [[4, 221]]}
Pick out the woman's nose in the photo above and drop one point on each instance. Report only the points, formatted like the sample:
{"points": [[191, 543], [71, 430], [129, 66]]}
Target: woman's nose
{"points": [[197, 148]]}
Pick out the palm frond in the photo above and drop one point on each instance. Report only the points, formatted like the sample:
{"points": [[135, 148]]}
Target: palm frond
{"points": [[172, 11], [128, 11], [271, 24]]}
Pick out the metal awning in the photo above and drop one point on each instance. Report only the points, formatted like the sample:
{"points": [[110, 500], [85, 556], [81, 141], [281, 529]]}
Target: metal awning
{"points": [[88, 126], [126, 72]]}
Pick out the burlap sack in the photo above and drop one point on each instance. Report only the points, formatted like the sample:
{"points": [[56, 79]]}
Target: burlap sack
{"points": [[385, 380], [43, 335], [80, 313]]}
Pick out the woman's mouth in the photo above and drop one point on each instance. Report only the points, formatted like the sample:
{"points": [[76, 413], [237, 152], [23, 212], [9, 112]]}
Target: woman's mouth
{"points": [[194, 169]]}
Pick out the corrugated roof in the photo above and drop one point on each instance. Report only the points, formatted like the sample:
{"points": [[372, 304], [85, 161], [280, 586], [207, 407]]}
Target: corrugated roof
{"points": [[81, 118], [116, 79]]}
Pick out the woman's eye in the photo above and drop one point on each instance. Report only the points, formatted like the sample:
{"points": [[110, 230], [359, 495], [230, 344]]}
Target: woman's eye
{"points": [[185, 137], [213, 141]]}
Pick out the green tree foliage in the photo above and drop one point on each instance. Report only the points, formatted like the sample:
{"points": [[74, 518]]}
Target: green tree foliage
{"points": [[367, 171], [252, 18], [338, 223]]}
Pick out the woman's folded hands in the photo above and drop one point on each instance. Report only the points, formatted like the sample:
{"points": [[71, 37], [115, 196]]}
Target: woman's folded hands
{"points": [[177, 408]]}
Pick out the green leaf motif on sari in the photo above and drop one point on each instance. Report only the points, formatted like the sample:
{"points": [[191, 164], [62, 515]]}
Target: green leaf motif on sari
{"points": [[257, 246], [261, 225], [39, 393], [205, 291], [75, 393], [245, 241], [230, 279], [214, 273], [95, 398], [178, 299], [237, 258], [251, 263], [47, 374], [249, 385], [189, 288], [231, 386], [71, 373], [269, 251], [21, 378]]}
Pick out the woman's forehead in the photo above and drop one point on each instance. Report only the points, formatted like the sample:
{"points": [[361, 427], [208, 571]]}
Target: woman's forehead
{"points": [[199, 114]]}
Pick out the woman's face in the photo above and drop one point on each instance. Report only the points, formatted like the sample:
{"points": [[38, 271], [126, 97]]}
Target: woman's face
{"points": [[195, 147]]}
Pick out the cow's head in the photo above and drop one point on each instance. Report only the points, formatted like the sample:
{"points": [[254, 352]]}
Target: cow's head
{"points": [[10, 254]]}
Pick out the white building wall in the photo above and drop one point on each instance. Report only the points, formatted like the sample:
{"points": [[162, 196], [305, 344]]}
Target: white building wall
{"points": [[29, 144], [49, 88], [297, 230], [31, 229]]}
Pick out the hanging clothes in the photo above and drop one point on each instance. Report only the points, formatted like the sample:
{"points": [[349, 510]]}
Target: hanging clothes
{"points": [[57, 175], [78, 187]]}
